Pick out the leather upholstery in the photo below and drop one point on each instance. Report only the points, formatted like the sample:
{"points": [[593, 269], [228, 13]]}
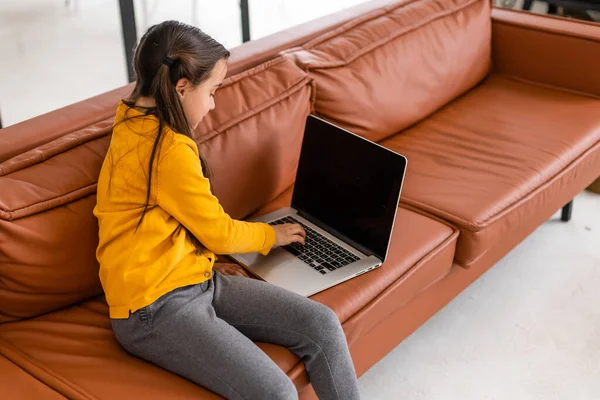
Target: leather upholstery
{"points": [[18, 384], [265, 48], [554, 51], [74, 351], [389, 69], [484, 161], [70, 348], [490, 159], [48, 237], [24, 136]]}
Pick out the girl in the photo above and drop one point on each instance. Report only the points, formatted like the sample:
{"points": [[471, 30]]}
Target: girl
{"points": [[160, 228]]}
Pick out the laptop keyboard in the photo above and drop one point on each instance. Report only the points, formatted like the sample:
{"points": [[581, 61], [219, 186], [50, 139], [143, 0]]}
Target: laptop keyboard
{"points": [[318, 252]]}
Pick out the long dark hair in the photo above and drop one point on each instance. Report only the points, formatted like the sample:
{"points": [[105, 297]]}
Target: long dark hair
{"points": [[166, 53]]}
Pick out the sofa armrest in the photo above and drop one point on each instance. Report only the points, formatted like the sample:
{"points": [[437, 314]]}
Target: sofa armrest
{"points": [[24, 136], [549, 50]]}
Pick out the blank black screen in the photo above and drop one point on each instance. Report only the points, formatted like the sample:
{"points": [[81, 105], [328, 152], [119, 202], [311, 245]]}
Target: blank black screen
{"points": [[348, 183]]}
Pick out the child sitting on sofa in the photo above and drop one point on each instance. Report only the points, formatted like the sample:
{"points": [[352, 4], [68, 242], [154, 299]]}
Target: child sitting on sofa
{"points": [[160, 228]]}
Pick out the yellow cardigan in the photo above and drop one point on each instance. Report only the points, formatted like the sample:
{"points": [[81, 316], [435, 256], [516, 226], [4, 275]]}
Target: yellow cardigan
{"points": [[137, 267]]}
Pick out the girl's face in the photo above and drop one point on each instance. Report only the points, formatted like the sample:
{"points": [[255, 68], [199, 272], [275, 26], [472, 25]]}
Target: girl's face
{"points": [[198, 100]]}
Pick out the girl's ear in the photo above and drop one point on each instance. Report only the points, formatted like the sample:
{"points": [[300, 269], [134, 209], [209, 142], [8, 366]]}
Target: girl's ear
{"points": [[183, 84]]}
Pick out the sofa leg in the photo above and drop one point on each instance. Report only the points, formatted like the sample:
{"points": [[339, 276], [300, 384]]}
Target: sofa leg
{"points": [[567, 211]]}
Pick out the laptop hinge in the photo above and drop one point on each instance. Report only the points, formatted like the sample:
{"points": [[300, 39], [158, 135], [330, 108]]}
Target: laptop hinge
{"points": [[335, 233]]}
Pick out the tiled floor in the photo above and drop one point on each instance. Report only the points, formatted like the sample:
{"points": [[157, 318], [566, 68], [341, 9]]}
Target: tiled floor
{"points": [[528, 329]]}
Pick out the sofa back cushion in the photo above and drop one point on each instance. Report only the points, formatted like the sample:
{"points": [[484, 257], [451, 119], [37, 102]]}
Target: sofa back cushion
{"points": [[252, 139], [48, 234], [385, 71]]}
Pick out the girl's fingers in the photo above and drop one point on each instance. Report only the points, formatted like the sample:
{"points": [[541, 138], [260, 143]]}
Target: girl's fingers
{"points": [[298, 238], [297, 230]]}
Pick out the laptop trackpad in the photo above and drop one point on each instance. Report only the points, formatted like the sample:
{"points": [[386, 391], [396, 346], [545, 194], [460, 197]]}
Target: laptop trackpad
{"points": [[280, 266], [277, 256]]}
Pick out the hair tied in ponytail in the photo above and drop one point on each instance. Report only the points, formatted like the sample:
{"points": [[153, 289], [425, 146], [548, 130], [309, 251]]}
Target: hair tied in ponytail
{"points": [[168, 61]]}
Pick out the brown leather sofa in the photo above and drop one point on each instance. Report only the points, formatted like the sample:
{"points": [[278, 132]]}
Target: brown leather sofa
{"points": [[497, 111]]}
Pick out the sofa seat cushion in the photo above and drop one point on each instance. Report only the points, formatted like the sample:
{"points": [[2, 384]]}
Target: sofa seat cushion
{"points": [[421, 253], [17, 384], [70, 349], [74, 352], [388, 69], [495, 156]]}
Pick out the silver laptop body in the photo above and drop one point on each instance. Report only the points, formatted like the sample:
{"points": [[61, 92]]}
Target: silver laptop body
{"points": [[346, 196]]}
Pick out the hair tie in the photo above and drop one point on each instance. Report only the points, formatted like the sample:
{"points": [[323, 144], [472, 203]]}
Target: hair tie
{"points": [[168, 61]]}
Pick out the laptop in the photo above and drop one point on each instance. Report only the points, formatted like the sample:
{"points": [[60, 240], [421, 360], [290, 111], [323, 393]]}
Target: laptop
{"points": [[346, 196]]}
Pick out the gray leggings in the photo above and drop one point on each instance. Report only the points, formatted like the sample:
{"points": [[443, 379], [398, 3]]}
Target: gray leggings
{"points": [[205, 333]]}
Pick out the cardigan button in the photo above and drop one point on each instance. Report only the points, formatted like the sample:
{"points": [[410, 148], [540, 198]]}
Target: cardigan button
{"points": [[207, 274], [198, 253]]}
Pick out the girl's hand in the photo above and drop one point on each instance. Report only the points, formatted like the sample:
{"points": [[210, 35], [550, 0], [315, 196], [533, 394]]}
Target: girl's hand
{"points": [[289, 233]]}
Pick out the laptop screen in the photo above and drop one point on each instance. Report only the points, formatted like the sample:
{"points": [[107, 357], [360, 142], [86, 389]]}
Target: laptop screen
{"points": [[349, 184]]}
